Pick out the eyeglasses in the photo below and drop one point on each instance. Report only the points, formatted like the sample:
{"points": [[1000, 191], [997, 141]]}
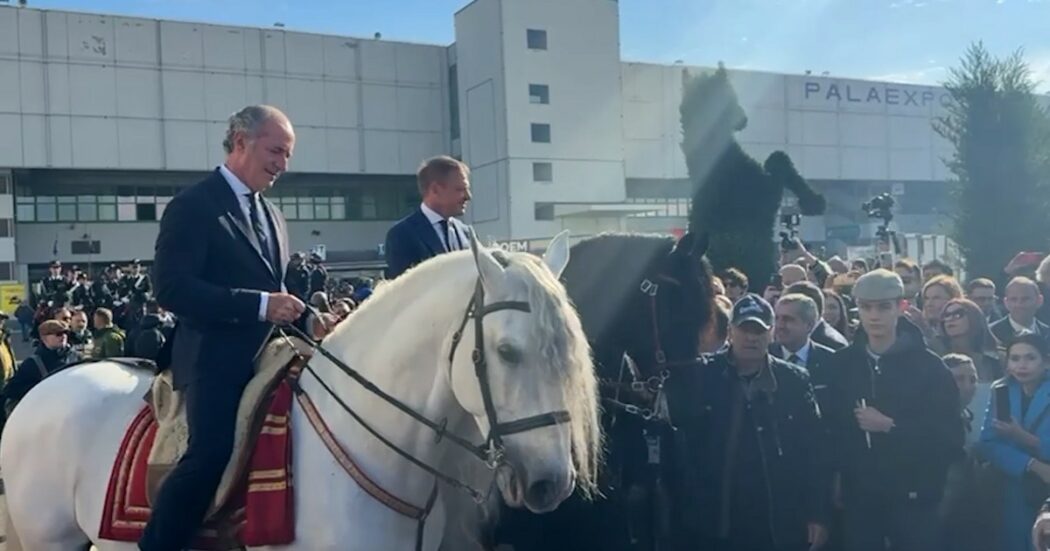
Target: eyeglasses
{"points": [[953, 315]]}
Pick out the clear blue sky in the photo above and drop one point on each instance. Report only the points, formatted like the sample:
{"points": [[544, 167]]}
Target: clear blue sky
{"points": [[902, 40]]}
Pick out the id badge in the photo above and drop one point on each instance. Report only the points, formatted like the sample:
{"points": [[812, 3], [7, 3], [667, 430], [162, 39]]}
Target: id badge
{"points": [[653, 445]]}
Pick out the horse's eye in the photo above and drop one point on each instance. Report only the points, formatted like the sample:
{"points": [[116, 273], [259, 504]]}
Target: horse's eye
{"points": [[509, 354]]}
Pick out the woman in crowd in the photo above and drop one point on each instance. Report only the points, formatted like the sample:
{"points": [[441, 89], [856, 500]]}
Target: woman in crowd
{"points": [[964, 330], [1016, 438], [935, 295], [836, 314]]}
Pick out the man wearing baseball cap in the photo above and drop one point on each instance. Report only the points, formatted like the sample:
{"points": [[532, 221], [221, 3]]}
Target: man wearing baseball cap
{"points": [[754, 475], [893, 415]]}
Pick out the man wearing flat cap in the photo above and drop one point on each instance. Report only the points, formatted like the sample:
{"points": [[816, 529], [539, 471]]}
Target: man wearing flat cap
{"points": [[51, 355], [754, 473], [893, 416]]}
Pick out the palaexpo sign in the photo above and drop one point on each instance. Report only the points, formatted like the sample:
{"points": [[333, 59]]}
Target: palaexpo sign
{"points": [[887, 94]]}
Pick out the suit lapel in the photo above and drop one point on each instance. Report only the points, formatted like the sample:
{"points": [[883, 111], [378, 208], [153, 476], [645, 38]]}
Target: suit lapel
{"points": [[462, 232], [235, 216], [428, 235]]}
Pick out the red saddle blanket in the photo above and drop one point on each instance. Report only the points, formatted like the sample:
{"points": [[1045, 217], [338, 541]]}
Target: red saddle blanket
{"points": [[259, 512]]}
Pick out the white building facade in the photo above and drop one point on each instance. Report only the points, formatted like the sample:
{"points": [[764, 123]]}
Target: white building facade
{"points": [[104, 118]]}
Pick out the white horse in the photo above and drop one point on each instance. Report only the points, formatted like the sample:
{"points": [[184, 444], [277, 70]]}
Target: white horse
{"points": [[60, 443]]}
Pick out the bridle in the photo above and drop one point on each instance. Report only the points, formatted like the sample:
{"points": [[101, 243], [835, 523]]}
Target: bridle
{"points": [[654, 384], [492, 450]]}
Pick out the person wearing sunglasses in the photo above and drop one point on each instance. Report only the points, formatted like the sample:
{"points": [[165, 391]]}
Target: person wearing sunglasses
{"points": [[964, 330]]}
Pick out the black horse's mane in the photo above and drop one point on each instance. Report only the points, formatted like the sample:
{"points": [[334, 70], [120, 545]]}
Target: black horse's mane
{"points": [[604, 274]]}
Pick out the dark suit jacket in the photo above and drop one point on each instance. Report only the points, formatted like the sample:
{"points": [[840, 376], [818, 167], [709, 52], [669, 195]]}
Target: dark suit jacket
{"points": [[828, 336], [1003, 331], [816, 364], [210, 271], [412, 240]]}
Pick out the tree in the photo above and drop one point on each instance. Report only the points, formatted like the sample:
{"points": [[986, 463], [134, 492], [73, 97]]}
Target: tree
{"points": [[1000, 164], [735, 200]]}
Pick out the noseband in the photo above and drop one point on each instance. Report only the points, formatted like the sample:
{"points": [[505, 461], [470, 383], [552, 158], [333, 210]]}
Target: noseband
{"points": [[492, 450]]}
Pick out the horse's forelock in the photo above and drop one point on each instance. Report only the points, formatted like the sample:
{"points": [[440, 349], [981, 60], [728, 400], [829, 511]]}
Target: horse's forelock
{"points": [[564, 349]]}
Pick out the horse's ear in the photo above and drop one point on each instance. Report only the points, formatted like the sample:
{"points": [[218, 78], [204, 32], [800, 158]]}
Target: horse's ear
{"points": [[488, 268], [556, 256], [700, 244], [684, 245], [691, 244]]}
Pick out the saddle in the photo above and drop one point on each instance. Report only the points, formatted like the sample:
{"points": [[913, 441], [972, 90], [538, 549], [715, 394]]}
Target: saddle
{"points": [[172, 438]]}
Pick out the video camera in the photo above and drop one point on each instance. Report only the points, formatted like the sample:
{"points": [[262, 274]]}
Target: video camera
{"points": [[881, 207], [789, 238]]}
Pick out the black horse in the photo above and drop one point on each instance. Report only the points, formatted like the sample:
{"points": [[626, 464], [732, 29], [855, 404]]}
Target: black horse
{"points": [[643, 301]]}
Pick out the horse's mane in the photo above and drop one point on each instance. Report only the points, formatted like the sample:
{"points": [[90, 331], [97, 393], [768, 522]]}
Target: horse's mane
{"points": [[605, 272], [565, 349]]}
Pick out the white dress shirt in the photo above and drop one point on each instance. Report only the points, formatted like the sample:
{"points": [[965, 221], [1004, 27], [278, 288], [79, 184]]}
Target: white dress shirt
{"points": [[1018, 328], [802, 353], [244, 196], [435, 222]]}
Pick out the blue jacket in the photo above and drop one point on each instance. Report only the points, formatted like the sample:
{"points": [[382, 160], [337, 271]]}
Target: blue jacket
{"points": [[1011, 459], [412, 240]]}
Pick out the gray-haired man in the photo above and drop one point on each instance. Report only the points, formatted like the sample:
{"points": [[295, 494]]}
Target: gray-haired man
{"points": [[220, 264], [796, 316]]}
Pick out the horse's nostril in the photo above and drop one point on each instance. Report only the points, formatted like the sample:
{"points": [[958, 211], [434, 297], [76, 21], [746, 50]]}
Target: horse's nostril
{"points": [[541, 493]]}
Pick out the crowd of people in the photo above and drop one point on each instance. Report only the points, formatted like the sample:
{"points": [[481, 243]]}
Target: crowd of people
{"points": [[851, 405], [72, 317], [835, 407]]}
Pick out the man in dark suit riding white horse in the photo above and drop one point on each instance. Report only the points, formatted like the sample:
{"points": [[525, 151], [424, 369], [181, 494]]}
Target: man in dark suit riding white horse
{"points": [[220, 263], [444, 185]]}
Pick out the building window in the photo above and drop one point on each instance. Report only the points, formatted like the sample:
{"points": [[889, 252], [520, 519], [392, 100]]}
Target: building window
{"points": [[7, 271], [5, 184], [25, 210], [540, 94], [542, 172], [378, 200], [541, 133], [544, 211], [7, 228], [536, 39], [145, 211]]}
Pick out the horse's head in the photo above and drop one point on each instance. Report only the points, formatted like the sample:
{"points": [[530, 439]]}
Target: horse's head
{"points": [[536, 362], [690, 297]]}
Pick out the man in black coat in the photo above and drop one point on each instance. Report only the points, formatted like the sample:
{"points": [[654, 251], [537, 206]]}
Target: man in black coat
{"points": [[444, 185], [52, 354], [750, 448], [220, 263], [892, 410], [1022, 299]]}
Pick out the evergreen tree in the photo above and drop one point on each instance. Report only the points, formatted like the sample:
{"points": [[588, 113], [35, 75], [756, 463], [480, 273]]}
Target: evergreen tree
{"points": [[735, 199], [1000, 163]]}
